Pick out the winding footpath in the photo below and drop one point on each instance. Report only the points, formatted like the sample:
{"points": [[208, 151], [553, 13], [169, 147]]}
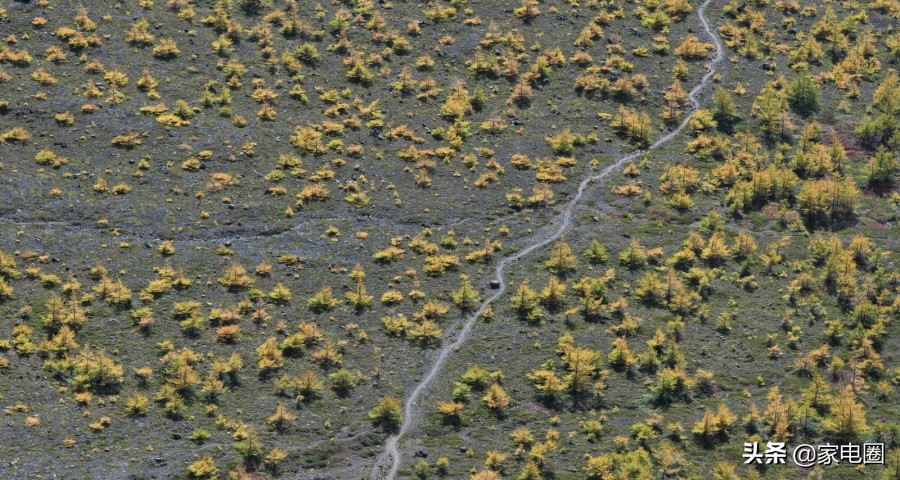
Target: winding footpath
{"points": [[388, 463]]}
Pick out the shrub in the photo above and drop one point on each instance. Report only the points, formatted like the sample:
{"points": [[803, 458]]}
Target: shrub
{"points": [[139, 34], [692, 48], [280, 295], [343, 381], [496, 398], [881, 168], [803, 95], [528, 10], [228, 333], [307, 53], [136, 404], [127, 141], [270, 357], [199, 435], [466, 298], [205, 468], [94, 371], [46, 157], [387, 414], [15, 135], [236, 277], [322, 301], [281, 418]]}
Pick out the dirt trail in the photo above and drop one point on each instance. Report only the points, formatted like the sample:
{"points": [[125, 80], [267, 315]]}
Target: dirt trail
{"points": [[388, 463]]}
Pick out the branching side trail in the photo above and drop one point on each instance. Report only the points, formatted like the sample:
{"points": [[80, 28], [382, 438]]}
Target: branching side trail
{"points": [[388, 463]]}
